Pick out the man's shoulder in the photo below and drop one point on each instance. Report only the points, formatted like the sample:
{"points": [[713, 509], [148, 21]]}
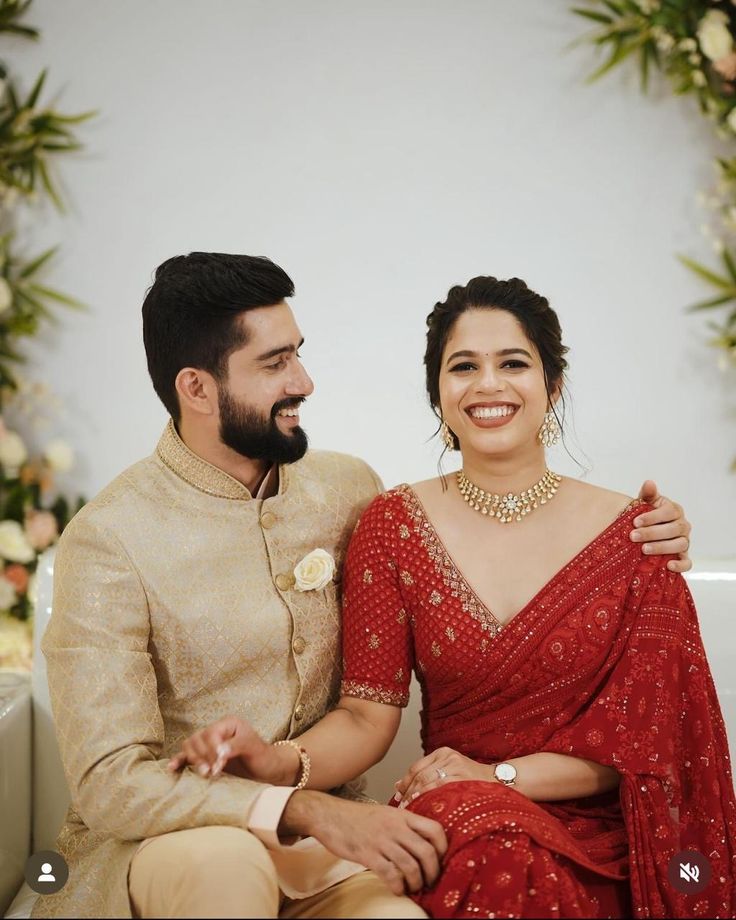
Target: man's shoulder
{"points": [[338, 470], [120, 496]]}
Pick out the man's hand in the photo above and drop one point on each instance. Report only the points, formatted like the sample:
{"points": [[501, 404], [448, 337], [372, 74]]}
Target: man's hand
{"points": [[403, 849], [232, 744], [664, 530]]}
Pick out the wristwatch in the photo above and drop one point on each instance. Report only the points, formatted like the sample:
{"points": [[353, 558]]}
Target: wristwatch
{"points": [[505, 773]]}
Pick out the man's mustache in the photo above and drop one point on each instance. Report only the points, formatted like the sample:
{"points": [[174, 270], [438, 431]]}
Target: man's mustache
{"points": [[292, 403]]}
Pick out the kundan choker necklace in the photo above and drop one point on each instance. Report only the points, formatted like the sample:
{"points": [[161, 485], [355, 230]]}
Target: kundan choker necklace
{"points": [[509, 507]]}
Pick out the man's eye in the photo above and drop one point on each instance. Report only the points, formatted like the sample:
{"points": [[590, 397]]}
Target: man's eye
{"points": [[274, 367]]}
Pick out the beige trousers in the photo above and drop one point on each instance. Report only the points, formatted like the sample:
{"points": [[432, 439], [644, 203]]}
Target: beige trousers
{"points": [[227, 872]]}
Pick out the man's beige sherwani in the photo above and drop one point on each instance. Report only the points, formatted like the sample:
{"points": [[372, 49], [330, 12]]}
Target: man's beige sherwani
{"points": [[174, 605]]}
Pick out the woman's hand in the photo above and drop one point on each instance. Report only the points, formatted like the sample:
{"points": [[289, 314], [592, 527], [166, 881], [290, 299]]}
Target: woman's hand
{"points": [[232, 744], [441, 766]]}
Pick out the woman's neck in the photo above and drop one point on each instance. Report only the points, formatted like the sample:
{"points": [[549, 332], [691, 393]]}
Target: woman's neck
{"points": [[505, 474]]}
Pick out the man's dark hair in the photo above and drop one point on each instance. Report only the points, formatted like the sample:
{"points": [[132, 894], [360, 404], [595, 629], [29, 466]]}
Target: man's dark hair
{"points": [[191, 313]]}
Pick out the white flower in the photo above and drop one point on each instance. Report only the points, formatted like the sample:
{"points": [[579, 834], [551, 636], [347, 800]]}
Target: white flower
{"points": [[698, 78], [6, 295], [714, 36], [314, 571], [13, 453], [14, 545], [7, 594], [688, 44], [59, 456], [731, 120]]}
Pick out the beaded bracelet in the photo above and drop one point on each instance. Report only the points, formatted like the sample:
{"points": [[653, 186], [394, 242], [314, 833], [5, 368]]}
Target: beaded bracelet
{"points": [[305, 761]]}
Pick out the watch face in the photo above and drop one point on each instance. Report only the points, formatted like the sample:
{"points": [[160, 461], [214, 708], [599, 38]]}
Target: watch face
{"points": [[505, 772]]}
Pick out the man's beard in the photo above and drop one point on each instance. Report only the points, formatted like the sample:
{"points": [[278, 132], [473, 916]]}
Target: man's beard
{"points": [[247, 432]]}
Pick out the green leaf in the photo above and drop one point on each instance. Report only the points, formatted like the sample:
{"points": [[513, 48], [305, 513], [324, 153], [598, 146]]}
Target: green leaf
{"points": [[34, 266], [730, 265], [715, 302], [45, 179], [620, 53], [37, 308], [590, 14], [705, 274], [53, 294], [36, 91]]}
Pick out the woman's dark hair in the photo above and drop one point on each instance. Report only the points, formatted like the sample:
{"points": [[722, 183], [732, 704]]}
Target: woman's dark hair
{"points": [[191, 312], [538, 320]]}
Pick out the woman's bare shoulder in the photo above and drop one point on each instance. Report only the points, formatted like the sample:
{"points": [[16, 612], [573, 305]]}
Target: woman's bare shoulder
{"points": [[596, 498]]}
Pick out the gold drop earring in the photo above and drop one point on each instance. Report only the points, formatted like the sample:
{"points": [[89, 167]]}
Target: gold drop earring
{"points": [[550, 432], [447, 436]]}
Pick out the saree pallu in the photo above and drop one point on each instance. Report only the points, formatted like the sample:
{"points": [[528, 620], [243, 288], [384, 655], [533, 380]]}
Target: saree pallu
{"points": [[604, 663]]}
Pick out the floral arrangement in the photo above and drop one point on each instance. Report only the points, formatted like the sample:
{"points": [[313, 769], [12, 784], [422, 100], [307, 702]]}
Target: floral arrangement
{"points": [[692, 43], [32, 514]]}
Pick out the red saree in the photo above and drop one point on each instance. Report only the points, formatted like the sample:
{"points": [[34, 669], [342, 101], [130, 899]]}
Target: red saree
{"points": [[604, 663]]}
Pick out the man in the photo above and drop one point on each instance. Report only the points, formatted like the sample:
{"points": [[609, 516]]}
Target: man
{"points": [[175, 601]]}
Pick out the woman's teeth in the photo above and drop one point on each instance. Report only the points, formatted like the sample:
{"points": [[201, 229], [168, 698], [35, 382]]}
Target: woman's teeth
{"points": [[492, 411]]}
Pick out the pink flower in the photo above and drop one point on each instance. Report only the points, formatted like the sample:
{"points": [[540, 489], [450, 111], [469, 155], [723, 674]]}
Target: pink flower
{"points": [[726, 66], [41, 529], [18, 577]]}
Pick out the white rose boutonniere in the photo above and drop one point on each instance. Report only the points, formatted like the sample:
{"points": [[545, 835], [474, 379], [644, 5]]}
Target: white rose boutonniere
{"points": [[314, 571]]}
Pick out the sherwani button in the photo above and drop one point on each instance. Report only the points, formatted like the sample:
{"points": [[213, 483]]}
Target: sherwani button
{"points": [[299, 713], [268, 519], [284, 581], [299, 645]]}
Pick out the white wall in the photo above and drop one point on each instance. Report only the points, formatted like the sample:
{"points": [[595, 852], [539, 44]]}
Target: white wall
{"points": [[382, 151]]}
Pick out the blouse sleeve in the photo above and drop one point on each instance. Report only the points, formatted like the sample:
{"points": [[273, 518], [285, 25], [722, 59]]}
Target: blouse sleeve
{"points": [[377, 643]]}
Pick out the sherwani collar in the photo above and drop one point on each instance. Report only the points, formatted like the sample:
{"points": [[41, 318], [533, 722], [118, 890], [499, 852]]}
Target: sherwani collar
{"points": [[199, 473]]}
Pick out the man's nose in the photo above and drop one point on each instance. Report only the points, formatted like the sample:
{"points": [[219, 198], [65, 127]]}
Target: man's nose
{"points": [[300, 383]]}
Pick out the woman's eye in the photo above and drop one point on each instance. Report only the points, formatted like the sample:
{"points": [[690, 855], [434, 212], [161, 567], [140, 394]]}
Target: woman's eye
{"points": [[465, 366], [514, 364]]}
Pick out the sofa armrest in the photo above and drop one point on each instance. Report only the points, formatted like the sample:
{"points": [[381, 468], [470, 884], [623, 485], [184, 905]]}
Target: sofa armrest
{"points": [[15, 782]]}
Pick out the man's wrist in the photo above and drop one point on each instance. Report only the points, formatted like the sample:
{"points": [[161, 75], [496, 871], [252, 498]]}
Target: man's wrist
{"points": [[304, 812]]}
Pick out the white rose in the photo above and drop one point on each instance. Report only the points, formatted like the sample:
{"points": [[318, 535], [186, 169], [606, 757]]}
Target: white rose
{"points": [[314, 571], [59, 456], [14, 545], [6, 295], [7, 594], [714, 36], [13, 453]]}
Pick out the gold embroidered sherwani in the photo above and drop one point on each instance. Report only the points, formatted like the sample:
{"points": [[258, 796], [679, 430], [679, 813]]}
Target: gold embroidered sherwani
{"points": [[174, 605]]}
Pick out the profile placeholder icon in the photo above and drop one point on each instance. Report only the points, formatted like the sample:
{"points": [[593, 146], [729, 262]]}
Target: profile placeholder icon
{"points": [[46, 872]]}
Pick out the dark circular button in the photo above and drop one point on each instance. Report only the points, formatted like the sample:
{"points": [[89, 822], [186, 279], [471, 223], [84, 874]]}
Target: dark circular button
{"points": [[46, 872], [689, 872]]}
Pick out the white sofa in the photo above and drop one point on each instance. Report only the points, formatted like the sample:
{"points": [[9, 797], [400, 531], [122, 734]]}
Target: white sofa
{"points": [[33, 792]]}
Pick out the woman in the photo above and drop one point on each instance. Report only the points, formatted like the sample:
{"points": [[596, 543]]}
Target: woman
{"points": [[574, 740]]}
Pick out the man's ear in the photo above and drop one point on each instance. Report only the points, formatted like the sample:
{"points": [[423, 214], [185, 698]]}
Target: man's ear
{"points": [[197, 391]]}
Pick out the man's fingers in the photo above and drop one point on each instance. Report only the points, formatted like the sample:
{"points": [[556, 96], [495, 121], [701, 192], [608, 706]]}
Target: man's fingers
{"points": [[432, 831], [176, 762], [426, 856], [666, 512], [669, 531], [390, 875], [649, 492], [680, 565], [407, 865]]}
